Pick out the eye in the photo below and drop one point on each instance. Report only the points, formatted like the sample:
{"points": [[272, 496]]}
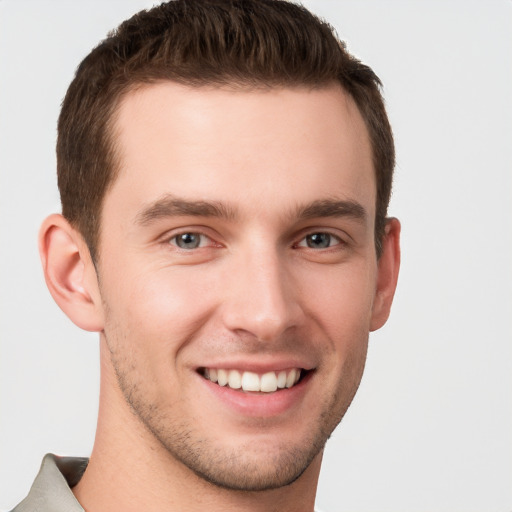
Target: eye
{"points": [[319, 241], [189, 240]]}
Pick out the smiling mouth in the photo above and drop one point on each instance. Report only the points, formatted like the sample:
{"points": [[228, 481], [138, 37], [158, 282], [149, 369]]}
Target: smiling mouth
{"points": [[269, 382]]}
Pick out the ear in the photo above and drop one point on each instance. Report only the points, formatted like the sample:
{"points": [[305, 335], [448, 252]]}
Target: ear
{"points": [[70, 274], [387, 274]]}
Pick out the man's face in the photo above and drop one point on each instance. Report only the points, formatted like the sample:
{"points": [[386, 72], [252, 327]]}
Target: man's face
{"points": [[237, 244]]}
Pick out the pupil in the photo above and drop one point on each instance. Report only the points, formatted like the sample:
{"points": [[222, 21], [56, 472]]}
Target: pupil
{"points": [[188, 241], [319, 240]]}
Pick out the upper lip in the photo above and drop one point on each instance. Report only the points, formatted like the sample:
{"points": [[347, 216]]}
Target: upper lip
{"points": [[260, 366]]}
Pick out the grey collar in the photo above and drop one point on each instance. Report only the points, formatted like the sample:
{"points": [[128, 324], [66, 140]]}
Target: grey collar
{"points": [[51, 490]]}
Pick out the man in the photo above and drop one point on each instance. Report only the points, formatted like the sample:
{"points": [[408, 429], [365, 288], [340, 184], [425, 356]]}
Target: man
{"points": [[224, 169]]}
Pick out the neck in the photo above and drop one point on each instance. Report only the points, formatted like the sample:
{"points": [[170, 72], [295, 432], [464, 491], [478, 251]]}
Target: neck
{"points": [[130, 470]]}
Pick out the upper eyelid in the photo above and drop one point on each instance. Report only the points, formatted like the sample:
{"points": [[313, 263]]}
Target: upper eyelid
{"points": [[198, 230]]}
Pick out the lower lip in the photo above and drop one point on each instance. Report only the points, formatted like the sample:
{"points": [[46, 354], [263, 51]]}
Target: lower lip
{"points": [[261, 405]]}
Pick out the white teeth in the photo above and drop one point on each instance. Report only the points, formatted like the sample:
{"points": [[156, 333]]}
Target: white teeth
{"points": [[290, 379], [234, 379], [281, 380], [268, 382], [222, 377], [250, 381]]}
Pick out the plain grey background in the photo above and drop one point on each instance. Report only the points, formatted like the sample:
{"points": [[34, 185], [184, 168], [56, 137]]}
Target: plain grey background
{"points": [[431, 426]]}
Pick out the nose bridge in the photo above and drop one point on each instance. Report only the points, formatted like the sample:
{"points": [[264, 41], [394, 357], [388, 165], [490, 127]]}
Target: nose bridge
{"points": [[261, 298]]}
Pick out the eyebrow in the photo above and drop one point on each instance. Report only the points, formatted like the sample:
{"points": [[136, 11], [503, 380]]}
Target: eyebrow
{"points": [[333, 208], [171, 206]]}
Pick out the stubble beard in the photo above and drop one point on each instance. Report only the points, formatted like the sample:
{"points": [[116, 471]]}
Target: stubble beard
{"points": [[236, 468]]}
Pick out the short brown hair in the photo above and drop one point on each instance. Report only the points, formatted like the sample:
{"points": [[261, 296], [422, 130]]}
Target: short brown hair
{"points": [[248, 43]]}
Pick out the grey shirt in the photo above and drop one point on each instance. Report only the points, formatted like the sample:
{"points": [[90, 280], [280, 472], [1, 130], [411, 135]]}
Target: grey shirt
{"points": [[51, 490]]}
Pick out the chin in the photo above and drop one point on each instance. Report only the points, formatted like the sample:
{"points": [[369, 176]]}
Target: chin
{"points": [[248, 463], [248, 468]]}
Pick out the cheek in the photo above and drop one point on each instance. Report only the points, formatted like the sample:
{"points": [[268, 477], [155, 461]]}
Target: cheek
{"points": [[340, 306], [162, 307], [341, 300]]}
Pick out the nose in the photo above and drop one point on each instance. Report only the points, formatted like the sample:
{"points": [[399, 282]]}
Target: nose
{"points": [[261, 298]]}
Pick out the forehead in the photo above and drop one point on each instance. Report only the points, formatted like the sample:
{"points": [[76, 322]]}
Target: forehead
{"points": [[282, 146]]}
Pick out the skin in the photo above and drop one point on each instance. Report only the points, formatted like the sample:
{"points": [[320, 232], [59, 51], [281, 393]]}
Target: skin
{"points": [[277, 170]]}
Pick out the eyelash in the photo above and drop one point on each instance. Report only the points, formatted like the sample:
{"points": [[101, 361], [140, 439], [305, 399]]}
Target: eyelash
{"points": [[330, 238], [176, 237], [303, 242]]}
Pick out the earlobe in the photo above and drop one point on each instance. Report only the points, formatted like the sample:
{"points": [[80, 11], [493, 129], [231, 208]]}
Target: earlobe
{"points": [[387, 274], [69, 273]]}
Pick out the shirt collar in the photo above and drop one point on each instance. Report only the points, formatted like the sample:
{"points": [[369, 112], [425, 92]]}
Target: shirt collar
{"points": [[51, 490]]}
